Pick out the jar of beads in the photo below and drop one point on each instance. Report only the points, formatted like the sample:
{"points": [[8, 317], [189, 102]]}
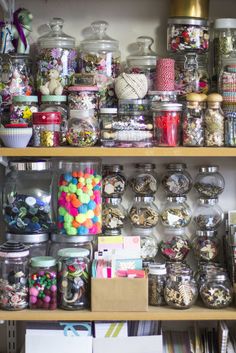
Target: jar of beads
{"points": [[22, 109], [144, 182], [176, 180], [83, 98], [46, 129]]}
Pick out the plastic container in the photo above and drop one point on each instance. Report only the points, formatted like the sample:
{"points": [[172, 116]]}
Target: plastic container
{"points": [[214, 122], [113, 180], [83, 98], [16, 137], [148, 243], [206, 245], [144, 181], [22, 109], [193, 122], [144, 213], [113, 213], [209, 182], [176, 212], [175, 245], [156, 284], [37, 243], [46, 129], [176, 180], [208, 215]]}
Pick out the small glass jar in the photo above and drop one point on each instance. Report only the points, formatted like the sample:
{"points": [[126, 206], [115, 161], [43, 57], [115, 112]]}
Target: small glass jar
{"points": [[167, 120], [129, 106], [46, 129], [144, 213], [144, 182], [37, 243], [209, 182], [43, 283], [148, 243], [214, 121], [206, 269], [176, 212], [22, 109], [113, 180], [208, 215], [173, 266], [156, 284], [176, 180], [73, 279], [155, 97], [14, 258], [206, 245], [193, 122], [175, 245], [83, 98], [113, 213]]}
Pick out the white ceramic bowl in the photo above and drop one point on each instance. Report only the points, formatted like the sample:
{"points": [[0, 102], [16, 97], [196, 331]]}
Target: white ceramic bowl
{"points": [[16, 137]]}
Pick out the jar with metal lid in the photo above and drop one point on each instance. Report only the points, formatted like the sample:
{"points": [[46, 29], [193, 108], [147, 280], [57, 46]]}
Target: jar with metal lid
{"points": [[216, 292], [206, 245], [73, 279], [111, 232], [214, 121], [129, 106], [144, 213], [27, 197], [43, 283], [148, 243], [209, 182], [144, 181], [167, 120], [190, 8], [193, 122], [113, 180], [206, 269], [175, 245], [22, 109], [37, 243], [14, 258], [176, 212], [161, 96], [83, 98], [46, 129], [176, 180], [208, 215], [113, 213], [156, 284], [173, 266]]}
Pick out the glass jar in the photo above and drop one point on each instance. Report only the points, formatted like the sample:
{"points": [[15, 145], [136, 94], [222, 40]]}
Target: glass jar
{"points": [[22, 109], [81, 184], [148, 243], [113, 180], [37, 243], [187, 34], [129, 106], [173, 266], [27, 197], [176, 180], [14, 259], [56, 52], [206, 269], [206, 245], [113, 213], [43, 283], [208, 215], [193, 122], [216, 292], [214, 121], [144, 213], [176, 212], [156, 284], [112, 232], [73, 279], [209, 182], [83, 98], [46, 129], [230, 128], [167, 120], [160, 97], [175, 245], [144, 182], [83, 128]]}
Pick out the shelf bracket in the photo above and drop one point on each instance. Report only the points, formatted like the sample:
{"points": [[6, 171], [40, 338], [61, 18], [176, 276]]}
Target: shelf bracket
{"points": [[11, 336]]}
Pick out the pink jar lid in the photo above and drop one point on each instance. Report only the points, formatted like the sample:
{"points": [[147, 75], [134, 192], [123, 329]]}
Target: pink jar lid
{"points": [[21, 125], [82, 88], [47, 118]]}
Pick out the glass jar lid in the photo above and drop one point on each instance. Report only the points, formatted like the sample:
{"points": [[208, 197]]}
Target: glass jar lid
{"points": [[113, 200], [112, 232], [49, 98], [187, 21], [56, 38], [43, 261], [209, 169], [177, 199], [157, 269], [58, 238], [206, 233], [176, 107], [144, 198], [28, 238], [13, 249], [145, 56], [30, 165], [113, 167], [212, 201], [142, 232], [20, 99], [108, 111], [73, 252]]}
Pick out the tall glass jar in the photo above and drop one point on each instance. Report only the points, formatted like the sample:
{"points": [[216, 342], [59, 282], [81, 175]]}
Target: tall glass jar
{"points": [[113, 181], [214, 121], [113, 213], [27, 197], [176, 180], [175, 245], [73, 279], [148, 243], [208, 215], [144, 182], [37, 243], [176, 212], [206, 245], [14, 259], [156, 284], [144, 213], [43, 283], [193, 122], [209, 182], [22, 109]]}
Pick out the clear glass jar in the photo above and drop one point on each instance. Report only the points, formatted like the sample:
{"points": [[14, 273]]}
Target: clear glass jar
{"points": [[73, 279], [37, 243], [176, 180], [22, 109], [176, 212], [46, 129], [160, 97], [83, 128], [193, 122], [156, 284], [81, 183], [209, 182], [83, 98], [144, 181], [167, 120], [230, 128], [112, 232], [148, 243], [129, 106], [113, 213], [208, 215], [175, 245], [206, 245], [187, 34], [206, 269], [43, 283], [144, 213], [173, 266], [113, 180], [56, 52], [214, 121], [27, 197], [14, 258]]}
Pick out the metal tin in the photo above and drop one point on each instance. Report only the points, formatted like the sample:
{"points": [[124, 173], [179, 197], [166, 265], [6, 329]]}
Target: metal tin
{"points": [[189, 8]]}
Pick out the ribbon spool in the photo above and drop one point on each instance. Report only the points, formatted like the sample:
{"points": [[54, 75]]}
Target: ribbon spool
{"points": [[165, 75]]}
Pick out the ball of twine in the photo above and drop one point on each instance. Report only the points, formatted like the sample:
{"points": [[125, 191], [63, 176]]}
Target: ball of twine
{"points": [[131, 86]]}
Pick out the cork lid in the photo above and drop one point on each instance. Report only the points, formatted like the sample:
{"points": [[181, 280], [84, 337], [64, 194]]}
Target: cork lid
{"points": [[203, 97], [214, 97], [194, 97]]}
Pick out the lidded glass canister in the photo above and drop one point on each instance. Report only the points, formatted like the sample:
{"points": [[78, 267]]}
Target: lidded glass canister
{"points": [[148, 243], [22, 109], [214, 121], [144, 182], [113, 181], [144, 213], [156, 284], [176, 212], [206, 245], [113, 213], [209, 182], [176, 180], [193, 121], [175, 245], [208, 215], [37, 243]]}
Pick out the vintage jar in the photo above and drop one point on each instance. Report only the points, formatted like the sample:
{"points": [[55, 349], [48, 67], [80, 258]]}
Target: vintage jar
{"points": [[73, 279], [176, 212], [37, 243], [206, 245], [144, 181], [83, 98], [22, 109], [175, 245], [176, 181], [113, 180], [156, 284], [46, 129], [209, 183], [148, 243], [14, 259], [208, 215], [193, 122], [206, 269], [143, 212], [43, 283], [214, 121], [113, 213]]}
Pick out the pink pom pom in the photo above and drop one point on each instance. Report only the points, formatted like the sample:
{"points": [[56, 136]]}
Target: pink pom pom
{"points": [[53, 288], [33, 291], [32, 299], [47, 299]]}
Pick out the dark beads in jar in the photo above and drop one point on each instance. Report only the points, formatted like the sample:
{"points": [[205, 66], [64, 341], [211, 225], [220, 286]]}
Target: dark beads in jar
{"points": [[156, 284], [113, 181], [144, 181], [209, 182], [176, 180]]}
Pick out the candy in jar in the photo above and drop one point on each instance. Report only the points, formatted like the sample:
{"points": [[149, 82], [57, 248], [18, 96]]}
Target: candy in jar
{"points": [[214, 121], [176, 212], [193, 121], [175, 245], [144, 213], [113, 213], [209, 183], [156, 284], [206, 245], [144, 181], [176, 180], [113, 181]]}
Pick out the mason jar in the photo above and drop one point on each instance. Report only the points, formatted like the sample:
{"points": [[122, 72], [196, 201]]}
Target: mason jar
{"points": [[144, 181], [37, 243], [208, 215], [193, 122], [113, 213], [176, 213], [209, 182], [143, 212], [176, 180], [156, 284], [113, 181], [148, 243], [175, 245], [206, 245], [22, 109]]}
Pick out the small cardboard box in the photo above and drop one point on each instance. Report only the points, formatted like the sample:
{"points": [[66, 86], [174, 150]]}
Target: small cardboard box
{"points": [[120, 294]]}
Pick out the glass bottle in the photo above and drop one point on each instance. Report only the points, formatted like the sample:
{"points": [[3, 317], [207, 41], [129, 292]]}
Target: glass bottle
{"points": [[176, 212], [148, 243], [113, 181], [156, 284], [193, 122], [175, 245], [208, 215], [144, 213], [144, 181], [113, 213], [176, 180], [209, 182], [37, 243], [214, 121], [206, 245]]}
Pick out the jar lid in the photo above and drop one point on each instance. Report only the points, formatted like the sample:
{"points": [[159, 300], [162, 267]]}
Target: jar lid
{"points": [[30, 165], [209, 169], [13, 249], [145, 56], [145, 166], [113, 200], [19, 99], [187, 21], [108, 111], [221, 23], [206, 233], [28, 238], [46, 118], [78, 165], [157, 269], [58, 238], [56, 38], [214, 97], [73, 252], [51, 98], [176, 166], [134, 101], [161, 93], [167, 107], [112, 232], [113, 167], [43, 261], [216, 276], [212, 201], [178, 199], [144, 198], [82, 88]]}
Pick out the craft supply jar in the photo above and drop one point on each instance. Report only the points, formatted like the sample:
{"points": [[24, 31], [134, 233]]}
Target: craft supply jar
{"points": [[214, 121], [175, 245], [176, 212], [209, 183], [46, 129], [208, 215], [14, 259], [22, 109], [167, 120], [144, 181], [130, 106], [43, 283], [148, 243], [78, 199], [83, 128], [155, 97], [73, 279], [193, 121], [113, 180], [37, 243], [113, 213], [176, 180], [230, 128], [156, 284], [83, 98], [27, 197], [143, 212], [206, 245]]}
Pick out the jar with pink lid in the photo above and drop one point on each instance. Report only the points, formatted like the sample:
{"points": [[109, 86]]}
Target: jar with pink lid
{"points": [[83, 97]]}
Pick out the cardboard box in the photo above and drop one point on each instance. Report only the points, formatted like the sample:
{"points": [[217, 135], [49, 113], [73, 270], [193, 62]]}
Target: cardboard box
{"points": [[119, 294]]}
